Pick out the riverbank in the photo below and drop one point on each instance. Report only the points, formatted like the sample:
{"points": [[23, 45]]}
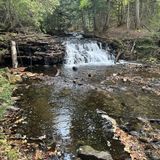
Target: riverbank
{"points": [[134, 45], [6, 89], [10, 79]]}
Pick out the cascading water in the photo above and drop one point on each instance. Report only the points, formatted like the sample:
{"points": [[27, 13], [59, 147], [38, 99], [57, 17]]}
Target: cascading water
{"points": [[86, 52]]}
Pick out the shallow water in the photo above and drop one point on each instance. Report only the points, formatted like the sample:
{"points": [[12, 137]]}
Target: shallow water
{"points": [[64, 108]]}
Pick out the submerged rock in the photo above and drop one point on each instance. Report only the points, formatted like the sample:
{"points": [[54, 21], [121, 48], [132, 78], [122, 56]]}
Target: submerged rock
{"points": [[75, 68], [87, 152], [90, 75]]}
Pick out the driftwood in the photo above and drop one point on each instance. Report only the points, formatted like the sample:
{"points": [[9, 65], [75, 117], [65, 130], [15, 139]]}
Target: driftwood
{"points": [[14, 54], [58, 73], [118, 56], [132, 49], [146, 120]]}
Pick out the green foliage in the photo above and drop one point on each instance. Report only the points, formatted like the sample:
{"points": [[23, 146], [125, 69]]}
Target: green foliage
{"points": [[19, 13], [85, 4], [64, 16], [87, 15]]}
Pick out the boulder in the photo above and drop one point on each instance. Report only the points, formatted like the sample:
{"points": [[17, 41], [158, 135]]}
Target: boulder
{"points": [[87, 152]]}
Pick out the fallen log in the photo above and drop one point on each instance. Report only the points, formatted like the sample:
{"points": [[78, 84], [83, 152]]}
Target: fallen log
{"points": [[118, 56]]}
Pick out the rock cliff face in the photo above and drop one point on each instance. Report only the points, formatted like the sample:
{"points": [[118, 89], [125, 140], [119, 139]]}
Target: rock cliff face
{"points": [[33, 49]]}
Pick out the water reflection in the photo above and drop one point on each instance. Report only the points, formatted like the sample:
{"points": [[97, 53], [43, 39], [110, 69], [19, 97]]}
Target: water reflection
{"points": [[66, 111]]}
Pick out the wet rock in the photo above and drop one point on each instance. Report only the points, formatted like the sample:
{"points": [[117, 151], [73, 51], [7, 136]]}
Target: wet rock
{"points": [[125, 79], [115, 74], [75, 68], [77, 82], [65, 92], [18, 136], [29, 74], [134, 133], [87, 152], [12, 108], [154, 155], [89, 75]]}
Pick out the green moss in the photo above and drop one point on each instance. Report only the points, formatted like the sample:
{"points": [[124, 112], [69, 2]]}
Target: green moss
{"points": [[145, 41], [151, 60], [146, 49], [5, 92]]}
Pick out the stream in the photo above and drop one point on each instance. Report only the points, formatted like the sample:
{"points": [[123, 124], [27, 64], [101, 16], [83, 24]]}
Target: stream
{"points": [[63, 108]]}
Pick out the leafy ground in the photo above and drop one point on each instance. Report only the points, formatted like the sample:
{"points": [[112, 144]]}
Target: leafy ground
{"points": [[7, 152], [5, 92]]}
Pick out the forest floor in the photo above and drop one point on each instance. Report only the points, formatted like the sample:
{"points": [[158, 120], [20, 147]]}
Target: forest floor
{"points": [[123, 33]]}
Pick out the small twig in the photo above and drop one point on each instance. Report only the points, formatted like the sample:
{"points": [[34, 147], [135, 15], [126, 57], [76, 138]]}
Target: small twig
{"points": [[134, 44]]}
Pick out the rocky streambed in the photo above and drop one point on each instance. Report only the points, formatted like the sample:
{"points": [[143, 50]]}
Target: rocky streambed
{"points": [[84, 112], [113, 109]]}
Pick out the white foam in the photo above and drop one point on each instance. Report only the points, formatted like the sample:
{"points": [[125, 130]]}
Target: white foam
{"points": [[80, 52]]}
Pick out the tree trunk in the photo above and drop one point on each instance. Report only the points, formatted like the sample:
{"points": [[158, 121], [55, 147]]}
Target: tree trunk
{"points": [[94, 17], [128, 16], [14, 54], [137, 14], [107, 22], [120, 13], [83, 22]]}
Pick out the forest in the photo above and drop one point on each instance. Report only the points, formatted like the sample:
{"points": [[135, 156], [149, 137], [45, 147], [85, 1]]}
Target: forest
{"points": [[79, 15], [79, 79]]}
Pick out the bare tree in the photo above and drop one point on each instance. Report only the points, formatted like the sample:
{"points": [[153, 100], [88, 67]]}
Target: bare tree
{"points": [[137, 10]]}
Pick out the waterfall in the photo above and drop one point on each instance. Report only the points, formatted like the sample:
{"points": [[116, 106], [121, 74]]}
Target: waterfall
{"points": [[86, 52]]}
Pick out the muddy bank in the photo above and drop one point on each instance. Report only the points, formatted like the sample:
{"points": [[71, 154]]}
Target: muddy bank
{"points": [[32, 48]]}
